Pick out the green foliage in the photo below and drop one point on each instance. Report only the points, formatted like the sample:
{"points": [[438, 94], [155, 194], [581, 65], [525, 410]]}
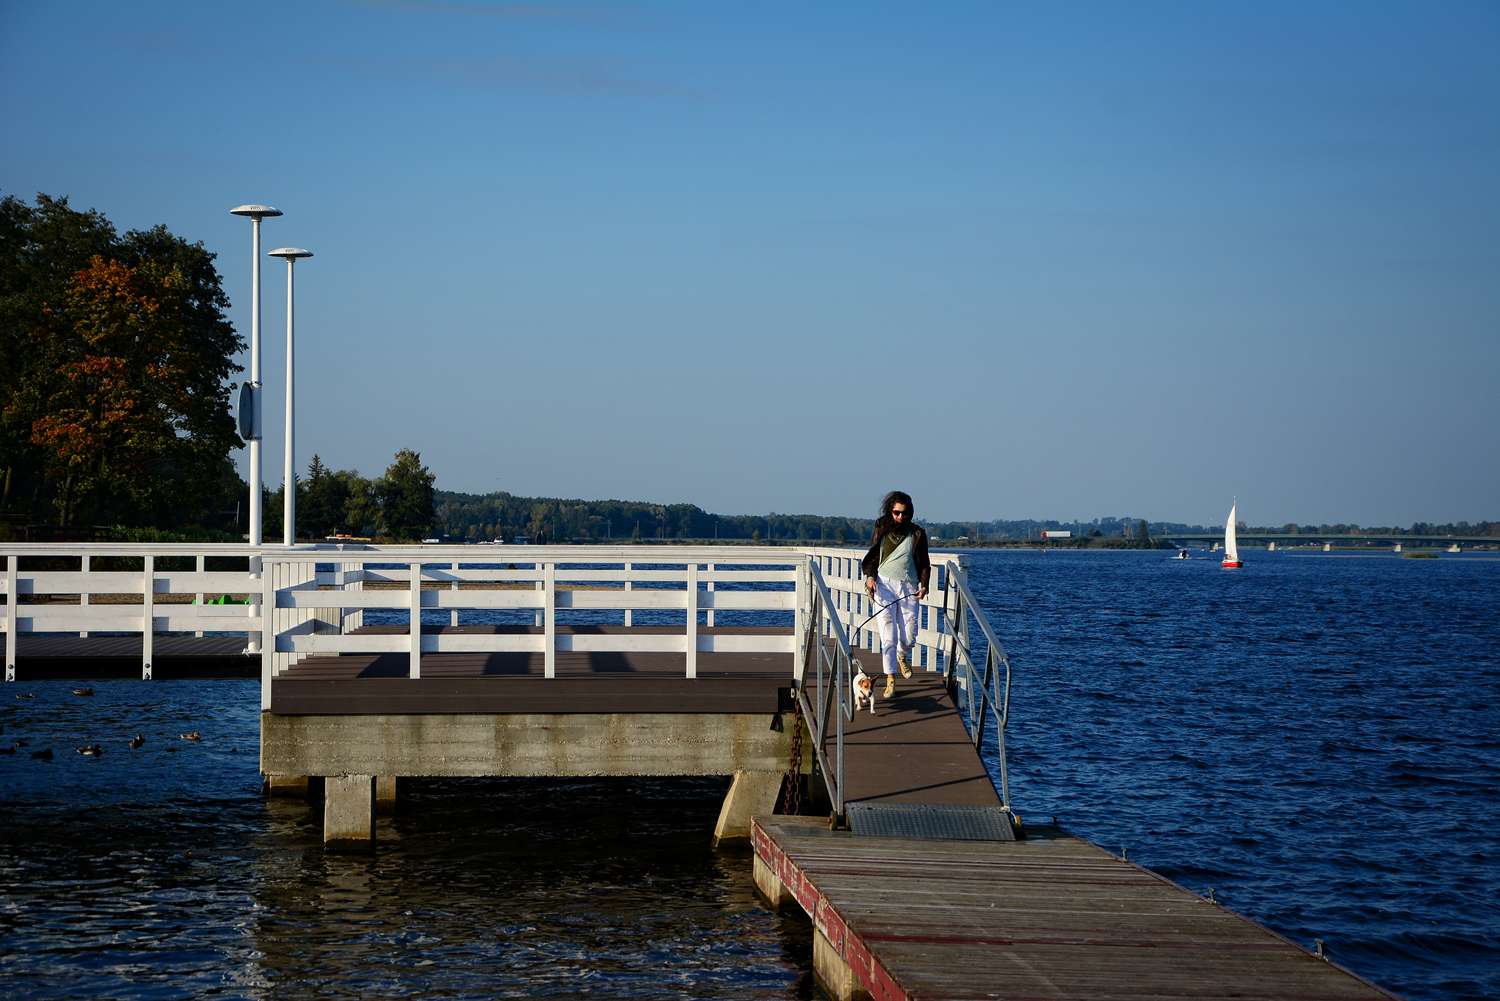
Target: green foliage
{"points": [[129, 533], [117, 352], [405, 493]]}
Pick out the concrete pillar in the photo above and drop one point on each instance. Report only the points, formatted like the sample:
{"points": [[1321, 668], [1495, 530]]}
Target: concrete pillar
{"points": [[290, 786], [749, 794], [349, 813], [769, 885], [385, 794], [832, 973]]}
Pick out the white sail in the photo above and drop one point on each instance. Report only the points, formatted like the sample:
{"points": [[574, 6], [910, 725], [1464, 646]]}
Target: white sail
{"points": [[1231, 548]]}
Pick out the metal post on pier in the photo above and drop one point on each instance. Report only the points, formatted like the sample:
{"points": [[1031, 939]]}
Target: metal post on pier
{"points": [[289, 470], [255, 213]]}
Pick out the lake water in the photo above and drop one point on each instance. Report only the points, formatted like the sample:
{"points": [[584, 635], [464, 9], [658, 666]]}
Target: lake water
{"points": [[1313, 737]]}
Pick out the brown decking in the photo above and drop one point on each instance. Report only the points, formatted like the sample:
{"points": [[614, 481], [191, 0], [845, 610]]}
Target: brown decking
{"points": [[69, 656], [630, 682], [914, 749], [1049, 917]]}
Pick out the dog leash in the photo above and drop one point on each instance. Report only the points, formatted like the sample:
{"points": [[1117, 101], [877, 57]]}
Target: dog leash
{"points": [[882, 608]]}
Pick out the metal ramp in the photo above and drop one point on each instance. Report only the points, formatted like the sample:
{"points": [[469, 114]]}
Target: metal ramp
{"points": [[930, 822]]}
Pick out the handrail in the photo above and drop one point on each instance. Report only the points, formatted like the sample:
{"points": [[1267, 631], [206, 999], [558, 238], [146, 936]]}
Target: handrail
{"points": [[833, 694], [998, 702]]}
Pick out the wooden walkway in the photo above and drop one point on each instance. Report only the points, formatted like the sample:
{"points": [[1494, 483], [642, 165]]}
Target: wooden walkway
{"points": [[914, 749], [1052, 916]]}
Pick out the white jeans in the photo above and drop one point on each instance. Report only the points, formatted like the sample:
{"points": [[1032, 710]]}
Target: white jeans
{"points": [[898, 623]]}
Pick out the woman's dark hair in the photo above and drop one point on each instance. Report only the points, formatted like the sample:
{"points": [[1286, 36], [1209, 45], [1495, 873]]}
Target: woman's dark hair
{"points": [[885, 522]]}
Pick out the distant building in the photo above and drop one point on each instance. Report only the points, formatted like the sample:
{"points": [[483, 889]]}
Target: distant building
{"points": [[1052, 533]]}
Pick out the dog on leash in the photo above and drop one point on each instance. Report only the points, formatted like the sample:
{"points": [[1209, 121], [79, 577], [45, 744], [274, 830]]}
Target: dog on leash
{"points": [[864, 691]]}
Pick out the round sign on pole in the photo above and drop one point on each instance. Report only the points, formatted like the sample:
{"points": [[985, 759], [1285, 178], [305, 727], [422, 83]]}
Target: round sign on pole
{"points": [[247, 411]]}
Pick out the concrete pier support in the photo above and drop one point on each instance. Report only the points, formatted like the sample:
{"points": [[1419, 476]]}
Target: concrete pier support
{"points": [[750, 793], [385, 794], [832, 973], [769, 885], [349, 813], [288, 786]]}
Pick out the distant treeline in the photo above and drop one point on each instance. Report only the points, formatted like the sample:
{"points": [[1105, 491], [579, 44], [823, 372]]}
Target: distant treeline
{"points": [[505, 516]]}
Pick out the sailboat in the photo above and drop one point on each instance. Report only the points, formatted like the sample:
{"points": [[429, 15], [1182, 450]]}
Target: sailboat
{"points": [[1231, 547]]}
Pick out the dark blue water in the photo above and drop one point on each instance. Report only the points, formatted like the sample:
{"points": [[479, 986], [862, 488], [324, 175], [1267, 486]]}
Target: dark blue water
{"points": [[1315, 738]]}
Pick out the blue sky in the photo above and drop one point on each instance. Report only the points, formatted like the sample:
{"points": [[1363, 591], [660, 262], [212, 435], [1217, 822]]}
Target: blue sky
{"points": [[1022, 260]]}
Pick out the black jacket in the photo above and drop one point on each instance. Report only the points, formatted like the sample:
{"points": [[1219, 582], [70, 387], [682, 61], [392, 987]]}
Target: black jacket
{"points": [[871, 562]]}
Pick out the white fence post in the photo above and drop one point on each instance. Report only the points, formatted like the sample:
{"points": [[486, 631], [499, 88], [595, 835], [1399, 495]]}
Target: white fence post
{"points": [[453, 612], [267, 638], [549, 620], [692, 620], [148, 613], [541, 585], [710, 590], [83, 597], [11, 625], [804, 606], [257, 594], [415, 670], [627, 587], [201, 566]]}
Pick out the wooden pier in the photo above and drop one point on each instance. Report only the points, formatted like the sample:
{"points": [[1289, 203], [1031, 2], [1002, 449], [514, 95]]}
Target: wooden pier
{"points": [[895, 914], [1051, 916]]}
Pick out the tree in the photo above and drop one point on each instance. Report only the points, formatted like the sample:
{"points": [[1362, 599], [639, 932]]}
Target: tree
{"points": [[361, 513], [118, 353], [320, 501], [406, 497]]}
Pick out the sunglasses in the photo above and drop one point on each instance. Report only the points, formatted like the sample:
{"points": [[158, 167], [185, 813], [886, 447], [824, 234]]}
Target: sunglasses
{"points": [[899, 512]]}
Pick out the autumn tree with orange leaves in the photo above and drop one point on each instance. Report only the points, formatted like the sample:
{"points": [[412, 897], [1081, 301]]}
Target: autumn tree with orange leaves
{"points": [[121, 412]]}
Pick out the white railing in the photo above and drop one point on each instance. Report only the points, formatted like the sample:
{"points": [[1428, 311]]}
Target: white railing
{"points": [[165, 589], [319, 597], [854, 608], [469, 583]]}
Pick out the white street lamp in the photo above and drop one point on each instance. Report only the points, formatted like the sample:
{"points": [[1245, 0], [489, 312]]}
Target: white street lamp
{"points": [[255, 213], [289, 491]]}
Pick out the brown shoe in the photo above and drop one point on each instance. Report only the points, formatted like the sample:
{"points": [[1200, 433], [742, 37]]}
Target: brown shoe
{"points": [[890, 686], [904, 662]]}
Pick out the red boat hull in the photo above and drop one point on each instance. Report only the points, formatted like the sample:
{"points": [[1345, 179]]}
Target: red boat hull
{"points": [[1231, 564]]}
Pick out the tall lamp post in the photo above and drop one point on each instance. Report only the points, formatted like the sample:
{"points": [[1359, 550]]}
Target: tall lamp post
{"points": [[289, 491], [255, 213]]}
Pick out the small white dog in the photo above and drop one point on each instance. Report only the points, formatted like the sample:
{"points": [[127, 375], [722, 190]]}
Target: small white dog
{"points": [[864, 691]]}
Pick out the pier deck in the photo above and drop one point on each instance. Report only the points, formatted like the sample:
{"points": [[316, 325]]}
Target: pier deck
{"points": [[513, 682], [119, 656], [1052, 916]]}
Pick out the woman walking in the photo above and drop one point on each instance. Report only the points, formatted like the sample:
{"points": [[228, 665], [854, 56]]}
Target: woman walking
{"points": [[896, 572]]}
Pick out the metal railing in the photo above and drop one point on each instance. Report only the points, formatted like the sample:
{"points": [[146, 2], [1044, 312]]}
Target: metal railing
{"points": [[982, 690], [831, 683], [825, 696]]}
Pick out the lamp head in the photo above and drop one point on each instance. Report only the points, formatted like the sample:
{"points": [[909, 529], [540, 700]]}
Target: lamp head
{"points": [[290, 253], [256, 211]]}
